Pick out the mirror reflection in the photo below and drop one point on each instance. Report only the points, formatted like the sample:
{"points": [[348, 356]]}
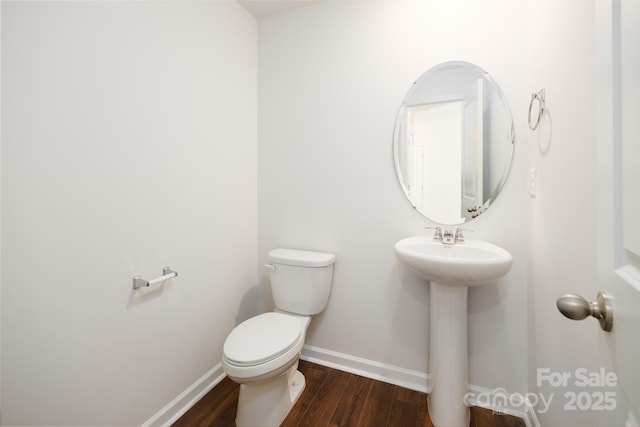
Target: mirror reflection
{"points": [[453, 143]]}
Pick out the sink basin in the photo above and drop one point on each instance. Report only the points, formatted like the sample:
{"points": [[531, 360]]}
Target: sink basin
{"points": [[471, 263]]}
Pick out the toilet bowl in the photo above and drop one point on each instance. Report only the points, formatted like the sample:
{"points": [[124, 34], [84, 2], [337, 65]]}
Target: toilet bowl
{"points": [[261, 353], [264, 346]]}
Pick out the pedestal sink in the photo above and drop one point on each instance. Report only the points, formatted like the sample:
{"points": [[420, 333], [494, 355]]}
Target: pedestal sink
{"points": [[451, 269]]}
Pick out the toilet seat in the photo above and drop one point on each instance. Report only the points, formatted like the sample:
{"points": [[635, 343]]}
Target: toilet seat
{"points": [[261, 339]]}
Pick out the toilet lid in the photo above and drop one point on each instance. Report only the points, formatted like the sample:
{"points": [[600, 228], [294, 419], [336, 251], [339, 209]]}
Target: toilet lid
{"points": [[261, 338]]}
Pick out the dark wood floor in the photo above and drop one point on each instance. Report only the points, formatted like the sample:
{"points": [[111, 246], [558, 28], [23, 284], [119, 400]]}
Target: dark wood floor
{"points": [[334, 398]]}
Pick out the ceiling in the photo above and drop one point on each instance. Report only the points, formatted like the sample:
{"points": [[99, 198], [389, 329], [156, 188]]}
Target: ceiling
{"points": [[263, 8]]}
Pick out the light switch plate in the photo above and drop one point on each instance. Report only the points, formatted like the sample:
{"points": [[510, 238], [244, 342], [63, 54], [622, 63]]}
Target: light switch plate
{"points": [[532, 182]]}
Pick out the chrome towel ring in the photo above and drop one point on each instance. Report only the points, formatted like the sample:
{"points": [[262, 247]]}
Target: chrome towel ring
{"points": [[539, 97]]}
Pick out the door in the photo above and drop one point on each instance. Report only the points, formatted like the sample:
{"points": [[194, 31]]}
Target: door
{"points": [[472, 154], [619, 195], [437, 142]]}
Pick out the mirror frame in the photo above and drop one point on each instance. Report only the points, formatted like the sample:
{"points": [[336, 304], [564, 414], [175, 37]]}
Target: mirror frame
{"points": [[497, 91]]}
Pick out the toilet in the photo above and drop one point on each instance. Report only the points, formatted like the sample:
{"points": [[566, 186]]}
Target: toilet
{"points": [[261, 353]]}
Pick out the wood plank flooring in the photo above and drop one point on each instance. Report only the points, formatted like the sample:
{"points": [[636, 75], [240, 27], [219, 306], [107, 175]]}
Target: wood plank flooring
{"points": [[334, 398]]}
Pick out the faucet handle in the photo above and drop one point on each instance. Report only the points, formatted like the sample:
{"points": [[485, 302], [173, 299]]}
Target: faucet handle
{"points": [[437, 236], [459, 237]]}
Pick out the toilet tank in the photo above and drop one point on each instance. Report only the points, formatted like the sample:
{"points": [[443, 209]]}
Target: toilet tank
{"points": [[301, 280]]}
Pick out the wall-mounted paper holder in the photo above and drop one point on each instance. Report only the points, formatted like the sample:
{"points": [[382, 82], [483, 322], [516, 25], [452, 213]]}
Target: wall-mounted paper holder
{"points": [[167, 273]]}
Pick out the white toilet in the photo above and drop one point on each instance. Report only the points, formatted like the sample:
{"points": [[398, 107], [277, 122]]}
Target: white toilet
{"points": [[261, 354]]}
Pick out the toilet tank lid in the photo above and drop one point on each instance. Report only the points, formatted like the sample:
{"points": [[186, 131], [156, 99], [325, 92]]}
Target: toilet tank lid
{"points": [[301, 258]]}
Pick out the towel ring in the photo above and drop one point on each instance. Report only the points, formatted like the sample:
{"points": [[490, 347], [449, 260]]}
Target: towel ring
{"points": [[539, 96]]}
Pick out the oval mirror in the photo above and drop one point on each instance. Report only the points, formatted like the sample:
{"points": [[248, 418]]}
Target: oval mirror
{"points": [[453, 143]]}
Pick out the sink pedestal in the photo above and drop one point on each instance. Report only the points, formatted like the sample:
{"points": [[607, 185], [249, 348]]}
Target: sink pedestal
{"points": [[451, 269], [448, 359]]}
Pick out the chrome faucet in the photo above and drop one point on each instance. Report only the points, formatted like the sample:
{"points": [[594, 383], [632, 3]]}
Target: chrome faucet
{"points": [[459, 237], [447, 237], [437, 235]]}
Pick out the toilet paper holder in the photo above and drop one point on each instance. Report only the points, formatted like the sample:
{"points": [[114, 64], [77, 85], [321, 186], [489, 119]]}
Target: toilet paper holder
{"points": [[167, 273]]}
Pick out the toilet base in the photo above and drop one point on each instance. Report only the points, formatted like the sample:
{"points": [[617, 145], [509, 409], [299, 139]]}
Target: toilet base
{"points": [[267, 403]]}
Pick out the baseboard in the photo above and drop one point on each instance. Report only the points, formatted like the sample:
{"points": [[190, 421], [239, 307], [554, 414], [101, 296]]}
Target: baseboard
{"points": [[499, 400], [530, 418], [406, 378], [181, 404], [496, 400]]}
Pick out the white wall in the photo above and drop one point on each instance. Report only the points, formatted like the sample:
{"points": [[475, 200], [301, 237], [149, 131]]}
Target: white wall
{"points": [[128, 144], [331, 78]]}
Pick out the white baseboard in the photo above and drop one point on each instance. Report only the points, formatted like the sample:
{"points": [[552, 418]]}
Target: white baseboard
{"points": [[406, 378], [497, 400], [181, 404]]}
